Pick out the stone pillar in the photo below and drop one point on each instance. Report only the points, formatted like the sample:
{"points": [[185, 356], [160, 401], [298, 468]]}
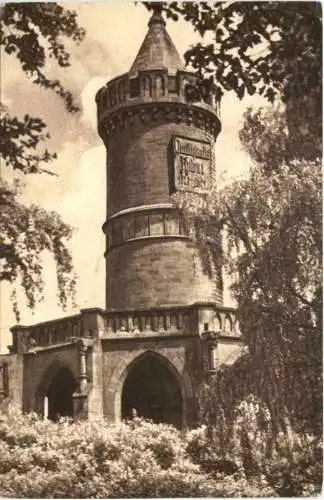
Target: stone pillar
{"points": [[93, 322], [210, 357], [80, 397]]}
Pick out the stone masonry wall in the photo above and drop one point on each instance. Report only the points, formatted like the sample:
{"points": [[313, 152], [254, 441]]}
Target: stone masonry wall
{"points": [[151, 273], [139, 169]]}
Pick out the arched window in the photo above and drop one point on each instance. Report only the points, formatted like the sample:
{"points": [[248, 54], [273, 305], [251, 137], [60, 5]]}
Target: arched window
{"points": [[141, 226], [122, 90], [228, 324], [147, 86], [217, 323], [159, 86]]}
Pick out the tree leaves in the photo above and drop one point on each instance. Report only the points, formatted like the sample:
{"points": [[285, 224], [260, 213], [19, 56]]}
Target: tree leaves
{"points": [[278, 44], [26, 232], [19, 140], [34, 33], [271, 224]]}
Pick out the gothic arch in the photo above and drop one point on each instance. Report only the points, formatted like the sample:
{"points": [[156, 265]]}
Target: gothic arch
{"points": [[51, 373], [147, 86], [227, 323], [217, 322], [159, 86], [124, 367]]}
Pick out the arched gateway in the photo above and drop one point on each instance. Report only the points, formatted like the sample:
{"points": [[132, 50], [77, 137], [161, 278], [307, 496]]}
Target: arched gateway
{"points": [[55, 393], [60, 395], [153, 389]]}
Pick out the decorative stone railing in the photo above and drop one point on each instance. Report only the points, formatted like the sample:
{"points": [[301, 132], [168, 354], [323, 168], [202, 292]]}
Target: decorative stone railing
{"points": [[173, 320], [46, 334], [98, 323]]}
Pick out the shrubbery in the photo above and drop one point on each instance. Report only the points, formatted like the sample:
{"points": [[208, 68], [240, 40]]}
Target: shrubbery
{"points": [[40, 458]]}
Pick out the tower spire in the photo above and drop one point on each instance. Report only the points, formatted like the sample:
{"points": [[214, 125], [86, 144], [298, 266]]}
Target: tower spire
{"points": [[157, 50]]}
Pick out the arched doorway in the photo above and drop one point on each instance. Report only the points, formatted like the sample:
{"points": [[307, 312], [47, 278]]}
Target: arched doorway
{"points": [[58, 398], [153, 389]]}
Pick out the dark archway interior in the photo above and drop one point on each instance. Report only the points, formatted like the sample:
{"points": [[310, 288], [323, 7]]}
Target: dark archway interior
{"points": [[153, 391], [59, 394]]}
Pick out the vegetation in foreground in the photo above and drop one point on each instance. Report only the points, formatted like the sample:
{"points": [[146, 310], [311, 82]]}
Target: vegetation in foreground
{"points": [[43, 459]]}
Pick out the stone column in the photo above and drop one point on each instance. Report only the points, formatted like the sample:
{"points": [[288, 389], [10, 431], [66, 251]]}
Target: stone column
{"points": [[80, 396], [210, 343]]}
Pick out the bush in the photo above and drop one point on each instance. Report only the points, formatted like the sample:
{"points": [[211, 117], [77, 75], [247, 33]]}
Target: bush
{"points": [[93, 459], [255, 459], [42, 459], [296, 468]]}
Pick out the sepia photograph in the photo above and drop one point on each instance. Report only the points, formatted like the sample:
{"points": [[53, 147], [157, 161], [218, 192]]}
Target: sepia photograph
{"points": [[161, 249]]}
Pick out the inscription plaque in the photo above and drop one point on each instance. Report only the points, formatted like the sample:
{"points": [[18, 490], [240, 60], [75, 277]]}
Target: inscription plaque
{"points": [[192, 161]]}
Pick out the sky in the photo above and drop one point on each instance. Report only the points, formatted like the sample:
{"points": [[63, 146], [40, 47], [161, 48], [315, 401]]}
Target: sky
{"points": [[114, 33]]}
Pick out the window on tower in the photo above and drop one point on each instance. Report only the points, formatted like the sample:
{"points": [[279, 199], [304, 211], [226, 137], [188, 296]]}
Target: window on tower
{"points": [[131, 226], [117, 236], [134, 88], [156, 224], [141, 226], [171, 223], [128, 229]]}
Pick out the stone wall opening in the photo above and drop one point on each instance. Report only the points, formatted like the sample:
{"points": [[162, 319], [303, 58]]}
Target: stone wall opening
{"points": [[59, 395], [153, 390]]}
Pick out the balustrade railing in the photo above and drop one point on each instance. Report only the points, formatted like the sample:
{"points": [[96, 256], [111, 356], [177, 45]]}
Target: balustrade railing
{"points": [[99, 323], [57, 331], [168, 321], [146, 321], [46, 334]]}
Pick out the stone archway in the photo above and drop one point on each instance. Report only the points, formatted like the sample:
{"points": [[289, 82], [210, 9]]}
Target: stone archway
{"points": [[114, 388], [55, 394], [59, 394], [153, 390]]}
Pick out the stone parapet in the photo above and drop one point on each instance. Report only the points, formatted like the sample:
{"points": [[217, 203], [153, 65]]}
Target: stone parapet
{"points": [[134, 96], [98, 323], [50, 333]]}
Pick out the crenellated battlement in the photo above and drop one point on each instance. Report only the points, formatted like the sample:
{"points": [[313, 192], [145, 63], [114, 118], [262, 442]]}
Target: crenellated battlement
{"points": [[152, 95]]}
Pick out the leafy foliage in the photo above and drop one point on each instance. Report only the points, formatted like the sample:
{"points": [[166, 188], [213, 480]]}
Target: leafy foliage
{"points": [[140, 459], [265, 47], [19, 139], [25, 233], [291, 464], [33, 33], [271, 222], [274, 236], [270, 48]]}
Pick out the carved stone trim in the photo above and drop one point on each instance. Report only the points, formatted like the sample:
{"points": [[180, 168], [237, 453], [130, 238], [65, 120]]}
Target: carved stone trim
{"points": [[142, 208], [144, 113]]}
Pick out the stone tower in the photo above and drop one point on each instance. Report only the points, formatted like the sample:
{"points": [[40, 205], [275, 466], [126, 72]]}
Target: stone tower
{"points": [[157, 143], [164, 330]]}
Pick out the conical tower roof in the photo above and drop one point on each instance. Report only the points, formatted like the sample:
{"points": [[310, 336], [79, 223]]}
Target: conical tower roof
{"points": [[157, 50]]}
